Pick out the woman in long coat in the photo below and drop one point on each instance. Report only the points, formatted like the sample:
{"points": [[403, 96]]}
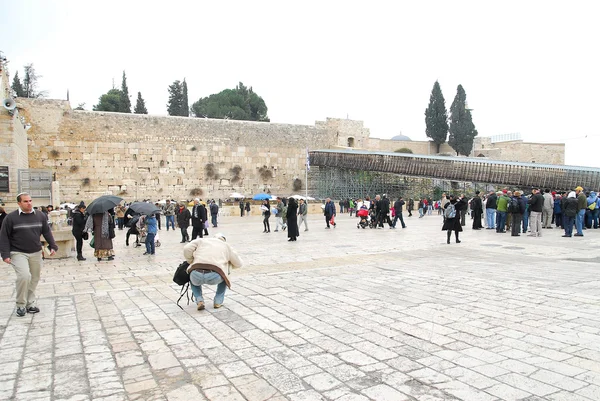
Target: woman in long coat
{"points": [[453, 223], [103, 227], [292, 222]]}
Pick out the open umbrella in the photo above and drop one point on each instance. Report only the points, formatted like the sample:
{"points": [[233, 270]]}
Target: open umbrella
{"points": [[103, 203], [236, 195], [261, 196], [302, 197], [144, 208]]}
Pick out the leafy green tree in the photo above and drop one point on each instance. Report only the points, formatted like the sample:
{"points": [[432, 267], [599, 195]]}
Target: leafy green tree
{"points": [[175, 105], [241, 103], [403, 150], [185, 107], [436, 117], [140, 105], [124, 103], [462, 129], [110, 101], [80, 106], [17, 86]]}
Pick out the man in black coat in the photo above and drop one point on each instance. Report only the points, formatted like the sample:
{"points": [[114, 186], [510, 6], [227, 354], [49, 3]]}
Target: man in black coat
{"points": [[477, 210], [383, 211], [79, 218], [198, 219], [398, 210], [490, 210]]}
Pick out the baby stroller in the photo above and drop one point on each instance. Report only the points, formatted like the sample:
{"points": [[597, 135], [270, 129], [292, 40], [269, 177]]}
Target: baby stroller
{"points": [[363, 214]]}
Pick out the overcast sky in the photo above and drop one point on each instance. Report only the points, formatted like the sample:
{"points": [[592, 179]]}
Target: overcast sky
{"points": [[526, 66]]}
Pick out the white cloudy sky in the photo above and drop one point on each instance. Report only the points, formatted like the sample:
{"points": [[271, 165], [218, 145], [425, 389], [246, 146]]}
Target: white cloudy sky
{"points": [[527, 66]]}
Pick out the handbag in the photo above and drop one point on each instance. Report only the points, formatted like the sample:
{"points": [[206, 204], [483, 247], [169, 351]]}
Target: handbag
{"points": [[181, 276], [206, 224], [85, 236], [93, 242]]}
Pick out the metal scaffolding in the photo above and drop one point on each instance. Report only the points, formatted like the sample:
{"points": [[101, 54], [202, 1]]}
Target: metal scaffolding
{"points": [[473, 170]]}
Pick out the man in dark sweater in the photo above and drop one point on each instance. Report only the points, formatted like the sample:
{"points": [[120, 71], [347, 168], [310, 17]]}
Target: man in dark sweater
{"points": [[536, 204], [20, 246]]}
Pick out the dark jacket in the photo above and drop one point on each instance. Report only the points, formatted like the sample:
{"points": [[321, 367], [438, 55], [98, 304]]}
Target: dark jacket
{"points": [[490, 203], [557, 205], [398, 206], [329, 209], [570, 207], [201, 212], [183, 217], [581, 201], [523, 204], [536, 203], [384, 206], [78, 223], [477, 204], [214, 209], [454, 222]]}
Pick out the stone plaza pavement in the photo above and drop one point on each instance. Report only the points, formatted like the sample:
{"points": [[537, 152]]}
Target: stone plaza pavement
{"points": [[341, 314]]}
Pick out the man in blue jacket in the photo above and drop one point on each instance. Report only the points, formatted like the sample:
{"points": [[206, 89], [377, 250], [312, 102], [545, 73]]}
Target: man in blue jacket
{"points": [[329, 212]]}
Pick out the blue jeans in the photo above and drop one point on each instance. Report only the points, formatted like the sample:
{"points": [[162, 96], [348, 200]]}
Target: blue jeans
{"points": [[150, 243], [420, 212], [213, 218], [568, 224], [170, 219], [490, 217], [198, 278], [595, 215], [579, 221], [500, 221], [525, 221]]}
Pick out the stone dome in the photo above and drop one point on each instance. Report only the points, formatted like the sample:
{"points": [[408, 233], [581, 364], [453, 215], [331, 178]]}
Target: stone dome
{"points": [[401, 138]]}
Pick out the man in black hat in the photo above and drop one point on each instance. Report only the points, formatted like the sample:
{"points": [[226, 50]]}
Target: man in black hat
{"points": [[477, 211]]}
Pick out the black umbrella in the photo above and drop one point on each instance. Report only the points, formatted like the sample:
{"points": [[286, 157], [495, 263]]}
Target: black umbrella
{"points": [[144, 208], [103, 203]]}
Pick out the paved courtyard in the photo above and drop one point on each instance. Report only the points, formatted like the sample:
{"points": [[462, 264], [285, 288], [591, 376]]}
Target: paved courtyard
{"points": [[341, 314]]}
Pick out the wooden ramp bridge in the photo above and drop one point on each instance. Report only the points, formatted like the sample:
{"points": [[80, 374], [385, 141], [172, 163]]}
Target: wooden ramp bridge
{"points": [[463, 169]]}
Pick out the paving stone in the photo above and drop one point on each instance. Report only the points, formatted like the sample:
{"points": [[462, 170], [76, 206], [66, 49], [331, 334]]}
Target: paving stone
{"points": [[381, 392]]}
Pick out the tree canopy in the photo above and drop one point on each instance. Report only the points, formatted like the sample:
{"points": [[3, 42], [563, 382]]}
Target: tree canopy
{"points": [[140, 105], [110, 101], [436, 117], [185, 107], [29, 86], [241, 103], [462, 129]]}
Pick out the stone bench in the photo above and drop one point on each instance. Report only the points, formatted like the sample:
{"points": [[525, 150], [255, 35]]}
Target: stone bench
{"points": [[66, 244]]}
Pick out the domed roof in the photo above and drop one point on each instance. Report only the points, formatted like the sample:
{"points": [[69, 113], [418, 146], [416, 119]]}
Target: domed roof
{"points": [[401, 138]]}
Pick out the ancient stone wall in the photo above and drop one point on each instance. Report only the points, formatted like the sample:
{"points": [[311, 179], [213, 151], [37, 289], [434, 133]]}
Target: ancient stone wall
{"points": [[140, 156], [13, 140]]}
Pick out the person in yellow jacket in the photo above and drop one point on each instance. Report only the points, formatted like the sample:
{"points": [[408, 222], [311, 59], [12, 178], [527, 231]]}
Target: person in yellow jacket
{"points": [[211, 260]]}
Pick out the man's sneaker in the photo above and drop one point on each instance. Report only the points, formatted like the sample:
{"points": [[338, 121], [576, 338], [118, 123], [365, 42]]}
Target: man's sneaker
{"points": [[33, 309], [200, 305], [217, 306], [21, 312]]}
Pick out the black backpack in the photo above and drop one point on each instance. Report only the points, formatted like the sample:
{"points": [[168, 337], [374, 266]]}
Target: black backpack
{"points": [[182, 278], [513, 206]]}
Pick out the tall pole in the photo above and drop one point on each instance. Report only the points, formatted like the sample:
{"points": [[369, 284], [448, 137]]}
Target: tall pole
{"points": [[307, 168]]}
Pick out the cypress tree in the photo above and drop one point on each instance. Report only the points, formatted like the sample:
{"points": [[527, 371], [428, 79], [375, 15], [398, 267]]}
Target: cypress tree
{"points": [[462, 129], [185, 108], [436, 117], [124, 103], [17, 86], [140, 105], [175, 105]]}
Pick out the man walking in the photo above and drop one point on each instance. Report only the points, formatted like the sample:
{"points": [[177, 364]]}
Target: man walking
{"points": [[329, 212], [20, 247], [170, 214], [210, 262], [302, 214], [398, 209], [198, 219], [183, 221], [214, 212], [536, 205]]}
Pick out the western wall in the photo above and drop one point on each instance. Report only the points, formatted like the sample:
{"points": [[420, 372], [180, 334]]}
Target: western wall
{"points": [[150, 157]]}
